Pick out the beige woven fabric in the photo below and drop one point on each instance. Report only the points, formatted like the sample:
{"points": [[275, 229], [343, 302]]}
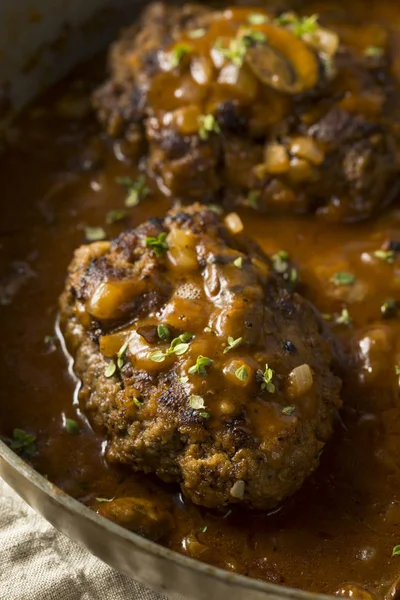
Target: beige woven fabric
{"points": [[39, 563]]}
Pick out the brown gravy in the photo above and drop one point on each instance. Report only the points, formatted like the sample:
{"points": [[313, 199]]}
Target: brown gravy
{"points": [[58, 176]]}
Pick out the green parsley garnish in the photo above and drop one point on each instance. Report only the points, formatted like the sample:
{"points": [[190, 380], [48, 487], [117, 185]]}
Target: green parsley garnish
{"points": [[232, 344], [373, 51], [95, 234], [253, 198], [386, 255], [121, 355], [280, 261], [163, 333], [195, 34], [177, 55], [238, 262], [157, 244], [72, 427], [237, 49], [343, 278], [23, 442], [209, 330], [137, 402], [208, 124], [183, 379], [110, 369], [396, 550], [397, 369], [178, 347], [196, 402], [136, 190], [200, 367], [116, 215], [257, 19], [344, 318], [300, 25], [50, 340], [288, 410], [389, 308], [242, 373], [267, 377], [101, 500]]}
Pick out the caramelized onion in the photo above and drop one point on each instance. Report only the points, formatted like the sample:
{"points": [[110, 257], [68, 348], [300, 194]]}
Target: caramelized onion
{"points": [[285, 63], [237, 490], [300, 381], [276, 159], [234, 223]]}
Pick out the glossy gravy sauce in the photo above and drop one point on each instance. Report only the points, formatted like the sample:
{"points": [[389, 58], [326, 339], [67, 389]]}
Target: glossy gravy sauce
{"points": [[58, 176]]}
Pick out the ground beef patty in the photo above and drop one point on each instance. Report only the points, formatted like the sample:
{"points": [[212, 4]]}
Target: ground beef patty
{"points": [[197, 361], [271, 111]]}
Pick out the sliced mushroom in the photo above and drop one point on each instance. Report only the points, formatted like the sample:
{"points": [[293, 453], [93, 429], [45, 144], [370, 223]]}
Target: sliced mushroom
{"points": [[284, 63]]}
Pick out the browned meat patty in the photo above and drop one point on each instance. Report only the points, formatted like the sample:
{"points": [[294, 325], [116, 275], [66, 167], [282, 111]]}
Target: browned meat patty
{"points": [[198, 362], [271, 111]]}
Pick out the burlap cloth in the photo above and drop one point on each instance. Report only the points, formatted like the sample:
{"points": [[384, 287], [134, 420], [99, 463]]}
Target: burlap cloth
{"points": [[39, 563]]}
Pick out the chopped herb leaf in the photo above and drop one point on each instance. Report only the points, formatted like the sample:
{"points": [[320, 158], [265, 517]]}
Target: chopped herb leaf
{"points": [[163, 333], [257, 19], [208, 124], [396, 550], [72, 426], [116, 215], [280, 261], [242, 373], [300, 25], [238, 262], [178, 347], [200, 367], [344, 318], [373, 51], [137, 402], [386, 255], [23, 441], [253, 198], [343, 278], [288, 410], [121, 355], [110, 369], [157, 356], [209, 330], [195, 34], [157, 244], [183, 379], [177, 54], [136, 190], [267, 377], [196, 402], [50, 339], [389, 308], [397, 369], [102, 500], [205, 415], [95, 234], [232, 344]]}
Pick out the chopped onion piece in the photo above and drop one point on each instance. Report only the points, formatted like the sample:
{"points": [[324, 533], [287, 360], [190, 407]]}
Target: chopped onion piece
{"points": [[234, 223], [300, 381], [276, 159], [237, 490], [307, 147]]}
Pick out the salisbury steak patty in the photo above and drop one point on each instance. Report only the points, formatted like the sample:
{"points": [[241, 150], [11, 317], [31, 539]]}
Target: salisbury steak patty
{"points": [[275, 111], [197, 362]]}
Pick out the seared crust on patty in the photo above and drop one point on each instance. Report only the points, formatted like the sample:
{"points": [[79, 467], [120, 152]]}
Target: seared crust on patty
{"points": [[239, 427]]}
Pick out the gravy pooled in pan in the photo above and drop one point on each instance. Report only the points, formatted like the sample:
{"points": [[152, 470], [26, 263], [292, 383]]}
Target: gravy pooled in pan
{"points": [[240, 389]]}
